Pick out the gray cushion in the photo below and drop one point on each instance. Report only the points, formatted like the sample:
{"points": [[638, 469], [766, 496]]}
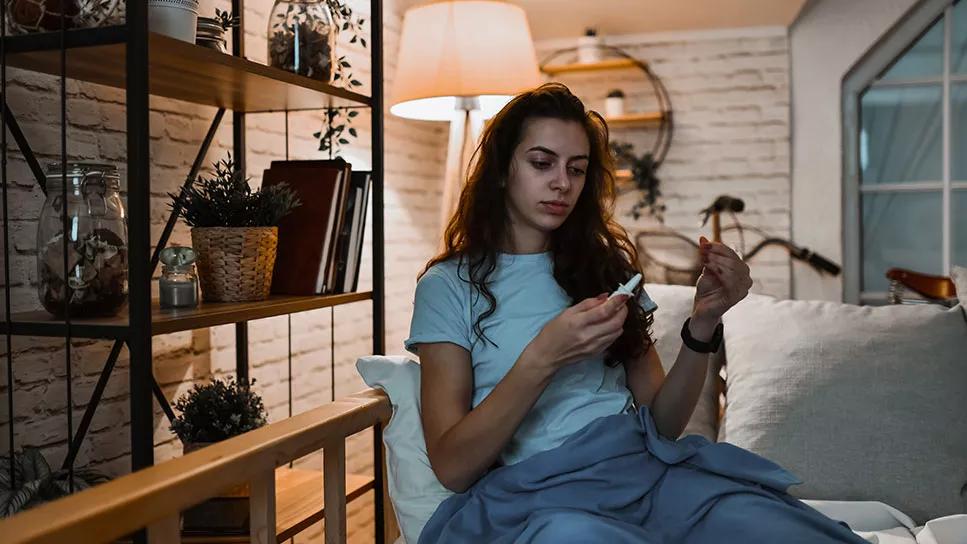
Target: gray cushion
{"points": [[861, 403], [674, 307]]}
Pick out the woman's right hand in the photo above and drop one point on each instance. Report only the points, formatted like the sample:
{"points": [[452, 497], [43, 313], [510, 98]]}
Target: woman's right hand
{"points": [[581, 331]]}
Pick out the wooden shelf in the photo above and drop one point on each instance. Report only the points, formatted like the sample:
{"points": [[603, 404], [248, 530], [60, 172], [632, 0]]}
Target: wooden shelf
{"points": [[608, 64], [78, 37], [298, 504], [635, 119], [299, 498], [167, 321], [180, 70]]}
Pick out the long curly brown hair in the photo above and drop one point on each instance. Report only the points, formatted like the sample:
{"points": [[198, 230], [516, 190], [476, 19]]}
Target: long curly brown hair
{"points": [[592, 252]]}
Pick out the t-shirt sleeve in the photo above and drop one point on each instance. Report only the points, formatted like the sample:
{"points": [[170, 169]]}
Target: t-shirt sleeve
{"points": [[646, 302], [438, 313]]}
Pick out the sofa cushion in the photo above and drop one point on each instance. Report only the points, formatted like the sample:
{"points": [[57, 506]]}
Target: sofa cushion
{"points": [[674, 307], [862, 403]]}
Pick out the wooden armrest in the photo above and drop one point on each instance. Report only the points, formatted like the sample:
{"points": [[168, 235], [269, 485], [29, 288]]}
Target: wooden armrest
{"points": [[925, 285], [117, 508]]}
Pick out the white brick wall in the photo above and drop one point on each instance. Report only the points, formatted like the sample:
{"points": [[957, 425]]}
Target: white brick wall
{"points": [[730, 97], [731, 102]]}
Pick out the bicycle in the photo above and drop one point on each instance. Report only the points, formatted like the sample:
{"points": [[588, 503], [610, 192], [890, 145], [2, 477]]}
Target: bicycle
{"points": [[668, 256]]}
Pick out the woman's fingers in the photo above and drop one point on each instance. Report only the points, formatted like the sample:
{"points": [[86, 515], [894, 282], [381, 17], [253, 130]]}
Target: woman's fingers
{"points": [[610, 325], [729, 264], [734, 274], [718, 248], [722, 267], [604, 311]]}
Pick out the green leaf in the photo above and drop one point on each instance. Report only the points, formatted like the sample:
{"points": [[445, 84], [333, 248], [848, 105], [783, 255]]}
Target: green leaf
{"points": [[316, 135], [355, 83], [353, 113], [26, 496], [362, 41], [5, 497], [353, 40], [34, 467], [343, 141], [353, 132]]}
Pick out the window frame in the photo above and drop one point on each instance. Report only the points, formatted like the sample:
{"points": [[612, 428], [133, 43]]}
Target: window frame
{"points": [[862, 76]]}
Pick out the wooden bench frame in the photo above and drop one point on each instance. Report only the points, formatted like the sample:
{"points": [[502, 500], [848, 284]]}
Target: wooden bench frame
{"points": [[153, 498]]}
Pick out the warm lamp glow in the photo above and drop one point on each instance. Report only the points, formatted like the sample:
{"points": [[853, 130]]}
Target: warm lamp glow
{"points": [[462, 49]]}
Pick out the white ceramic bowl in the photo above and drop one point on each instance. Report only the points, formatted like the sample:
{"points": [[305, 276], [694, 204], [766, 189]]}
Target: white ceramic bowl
{"points": [[175, 18]]}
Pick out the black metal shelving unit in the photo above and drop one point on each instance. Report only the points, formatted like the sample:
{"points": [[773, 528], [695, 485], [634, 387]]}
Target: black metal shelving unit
{"points": [[128, 56]]}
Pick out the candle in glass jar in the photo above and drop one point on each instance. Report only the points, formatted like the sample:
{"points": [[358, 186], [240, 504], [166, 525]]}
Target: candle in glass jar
{"points": [[178, 292], [178, 285]]}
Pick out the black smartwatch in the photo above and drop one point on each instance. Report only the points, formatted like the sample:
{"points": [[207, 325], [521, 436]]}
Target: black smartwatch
{"points": [[698, 346]]}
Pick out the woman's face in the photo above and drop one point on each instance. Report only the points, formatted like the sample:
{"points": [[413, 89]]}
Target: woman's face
{"points": [[546, 176]]}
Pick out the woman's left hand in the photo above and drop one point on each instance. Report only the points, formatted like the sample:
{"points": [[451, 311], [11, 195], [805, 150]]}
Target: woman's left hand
{"points": [[724, 281]]}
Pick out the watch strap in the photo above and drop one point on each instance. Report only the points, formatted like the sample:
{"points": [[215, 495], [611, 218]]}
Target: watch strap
{"points": [[697, 345]]}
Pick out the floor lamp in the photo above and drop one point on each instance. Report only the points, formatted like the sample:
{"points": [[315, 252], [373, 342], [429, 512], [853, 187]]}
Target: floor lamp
{"points": [[461, 61]]}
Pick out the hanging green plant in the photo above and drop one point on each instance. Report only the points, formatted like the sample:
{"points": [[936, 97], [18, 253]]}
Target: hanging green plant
{"points": [[643, 173], [337, 130]]}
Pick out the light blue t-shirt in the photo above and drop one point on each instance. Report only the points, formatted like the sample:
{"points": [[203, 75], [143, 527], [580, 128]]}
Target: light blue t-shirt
{"points": [[528, 297]]}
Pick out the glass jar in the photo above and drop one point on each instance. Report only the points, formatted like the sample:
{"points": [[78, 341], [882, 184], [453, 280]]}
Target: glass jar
{"points": [[302, 38], [96, 281], [178, 284]]}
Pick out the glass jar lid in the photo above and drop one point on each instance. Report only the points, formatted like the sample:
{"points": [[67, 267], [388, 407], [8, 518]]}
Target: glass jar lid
{"points": [[81, 173]]}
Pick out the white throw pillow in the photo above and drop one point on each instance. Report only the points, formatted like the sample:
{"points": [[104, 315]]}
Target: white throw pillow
{"points": [[959, 275], [860, 402], [413, 488]]}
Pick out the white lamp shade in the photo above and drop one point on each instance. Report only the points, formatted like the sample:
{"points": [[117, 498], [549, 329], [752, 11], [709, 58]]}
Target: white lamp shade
{"points": [[462, 49]]}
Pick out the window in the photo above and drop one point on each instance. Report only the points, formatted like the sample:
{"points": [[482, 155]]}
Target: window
{"points": [[905, 119]]}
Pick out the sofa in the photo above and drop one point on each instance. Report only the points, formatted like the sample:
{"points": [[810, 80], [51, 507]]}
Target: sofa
{"points": [[866, 405]]}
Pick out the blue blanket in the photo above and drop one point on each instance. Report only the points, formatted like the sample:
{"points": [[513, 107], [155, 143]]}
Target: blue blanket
{"points": [[618, 481]]}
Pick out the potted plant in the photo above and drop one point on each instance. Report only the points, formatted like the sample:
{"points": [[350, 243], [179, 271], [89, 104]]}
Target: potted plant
{"points": [[216, 411], [34, 482], [211, 413], [614, 103], [234, 231], [643, 176]]}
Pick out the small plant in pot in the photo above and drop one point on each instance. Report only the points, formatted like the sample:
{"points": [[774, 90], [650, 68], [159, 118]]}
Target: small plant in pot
{"points": [[234, 231], [34, 482], [211, 413]]}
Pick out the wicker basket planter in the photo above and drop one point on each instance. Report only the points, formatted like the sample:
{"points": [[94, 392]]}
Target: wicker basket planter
{"points": [[235, 263]]}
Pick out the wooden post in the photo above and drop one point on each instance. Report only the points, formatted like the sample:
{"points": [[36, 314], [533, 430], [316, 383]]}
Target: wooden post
{"points": [[166, 530], [262, 508], [334, 486]]}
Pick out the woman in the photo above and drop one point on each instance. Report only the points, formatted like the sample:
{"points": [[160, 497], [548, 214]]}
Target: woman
{"points": [[554, 421]]}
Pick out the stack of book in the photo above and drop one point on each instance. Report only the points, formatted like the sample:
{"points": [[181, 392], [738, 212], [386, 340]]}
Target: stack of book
{"points": [[321, 241]]}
